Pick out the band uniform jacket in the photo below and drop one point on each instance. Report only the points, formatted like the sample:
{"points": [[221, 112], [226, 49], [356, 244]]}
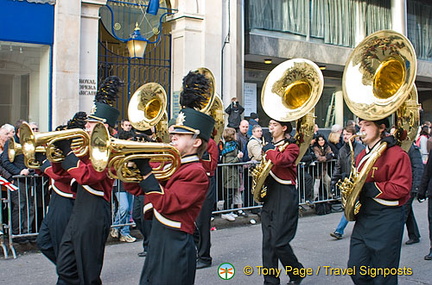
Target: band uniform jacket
{"points": [[210, 158], [94, 182], [176, 202], [284, 170], [391, 175], [60, 179]]}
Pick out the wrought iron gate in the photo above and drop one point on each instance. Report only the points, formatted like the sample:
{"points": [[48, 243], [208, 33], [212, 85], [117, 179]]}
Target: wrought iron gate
{"points": [[154, 67]]}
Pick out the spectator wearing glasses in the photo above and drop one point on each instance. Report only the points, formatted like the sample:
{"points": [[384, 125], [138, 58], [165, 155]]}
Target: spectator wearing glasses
{"points": [[34, 126]]}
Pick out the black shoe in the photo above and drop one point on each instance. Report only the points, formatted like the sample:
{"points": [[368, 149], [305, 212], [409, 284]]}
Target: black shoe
{"points": [[336, 235], [201, 264], [429, 256], [142, 254], [412, 241], [296, 282]]}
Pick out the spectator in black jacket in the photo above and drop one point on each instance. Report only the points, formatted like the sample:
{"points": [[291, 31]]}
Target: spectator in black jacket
{"points": [[234, 111], [20, 204], [417, 170]]}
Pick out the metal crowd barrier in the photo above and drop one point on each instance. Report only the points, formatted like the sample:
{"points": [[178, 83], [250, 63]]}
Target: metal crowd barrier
{"points": [[23, 210], [233, 180]]}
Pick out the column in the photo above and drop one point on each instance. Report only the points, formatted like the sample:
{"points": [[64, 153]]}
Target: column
{"points": [[88, 60], [399, 16], [66, 51]]}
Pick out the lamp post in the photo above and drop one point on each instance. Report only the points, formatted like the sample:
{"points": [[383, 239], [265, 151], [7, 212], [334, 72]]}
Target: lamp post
{"points": [[136, 44]]}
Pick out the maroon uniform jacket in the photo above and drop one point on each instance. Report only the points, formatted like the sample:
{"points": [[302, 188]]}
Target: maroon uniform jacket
{"points": [[81, 170], [284, 170], [177, 202], [210, 162], [60, 179], [391, 175]]}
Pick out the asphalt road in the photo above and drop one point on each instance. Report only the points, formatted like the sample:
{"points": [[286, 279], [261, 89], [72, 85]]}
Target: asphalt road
{"points": [[241, 246]]}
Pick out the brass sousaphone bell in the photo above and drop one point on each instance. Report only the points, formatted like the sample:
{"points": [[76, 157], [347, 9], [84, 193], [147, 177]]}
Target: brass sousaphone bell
{"points": [[377, 81], [213, 105], [147, 109], [290, 92]]}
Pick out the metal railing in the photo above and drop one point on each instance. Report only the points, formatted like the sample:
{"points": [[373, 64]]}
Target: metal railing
{"points": [[23, 210], [313, 184]]}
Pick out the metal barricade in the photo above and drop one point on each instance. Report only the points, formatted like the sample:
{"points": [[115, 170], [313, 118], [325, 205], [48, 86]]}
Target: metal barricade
{"points": [[3, 208], [234, 183], [26, 207]]}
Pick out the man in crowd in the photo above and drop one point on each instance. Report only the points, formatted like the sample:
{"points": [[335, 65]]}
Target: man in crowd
{"points": [[234, 111]]}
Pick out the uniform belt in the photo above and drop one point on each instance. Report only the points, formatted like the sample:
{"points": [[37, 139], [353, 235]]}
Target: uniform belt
{"points": [[166, 221], [387, 202], [93, 191], [147, 207], [281, 181], [59, 192]]}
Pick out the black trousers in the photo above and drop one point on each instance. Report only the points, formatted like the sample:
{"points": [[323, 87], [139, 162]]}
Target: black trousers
{"points": [[411, 224], [376, 241], [430, 219], [279, 217], [171, 257], [81, 253], [144, 226], [23, 206], [54, 225], [203, 224]]}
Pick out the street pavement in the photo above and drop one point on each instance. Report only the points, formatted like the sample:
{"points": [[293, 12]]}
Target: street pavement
{"points": [[324, 257]]}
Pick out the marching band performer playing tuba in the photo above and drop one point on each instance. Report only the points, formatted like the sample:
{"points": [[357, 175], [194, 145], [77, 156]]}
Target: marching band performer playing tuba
{"points": [[377, 235], [377, 82], [279, 214]]}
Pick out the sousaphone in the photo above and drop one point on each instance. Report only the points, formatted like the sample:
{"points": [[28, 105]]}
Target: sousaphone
{"points": [[377, 81], [147, 109], [213, 105], [290, 92]]}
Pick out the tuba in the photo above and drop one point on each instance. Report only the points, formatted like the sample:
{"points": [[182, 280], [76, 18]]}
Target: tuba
{"points": [[45, 142], [213, 105], [117, 156], [290, 92], [377, 81], [147, 109]]}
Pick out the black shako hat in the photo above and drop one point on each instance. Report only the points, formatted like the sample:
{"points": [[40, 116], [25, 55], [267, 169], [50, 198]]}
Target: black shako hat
{"points": [[191, 121], [103, 110]]}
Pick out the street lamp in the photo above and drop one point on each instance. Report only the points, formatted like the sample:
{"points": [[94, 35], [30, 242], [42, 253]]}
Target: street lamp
{"points": [[136, 44]]}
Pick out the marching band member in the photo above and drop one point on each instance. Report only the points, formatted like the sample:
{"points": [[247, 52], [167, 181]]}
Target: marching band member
{"points": [[377, 235], [279, 215], [176, 203], [61, 200], [81, 253]]}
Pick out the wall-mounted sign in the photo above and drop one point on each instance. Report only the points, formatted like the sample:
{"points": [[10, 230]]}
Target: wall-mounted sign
{"points": [[87, 87], [250, 98]]}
